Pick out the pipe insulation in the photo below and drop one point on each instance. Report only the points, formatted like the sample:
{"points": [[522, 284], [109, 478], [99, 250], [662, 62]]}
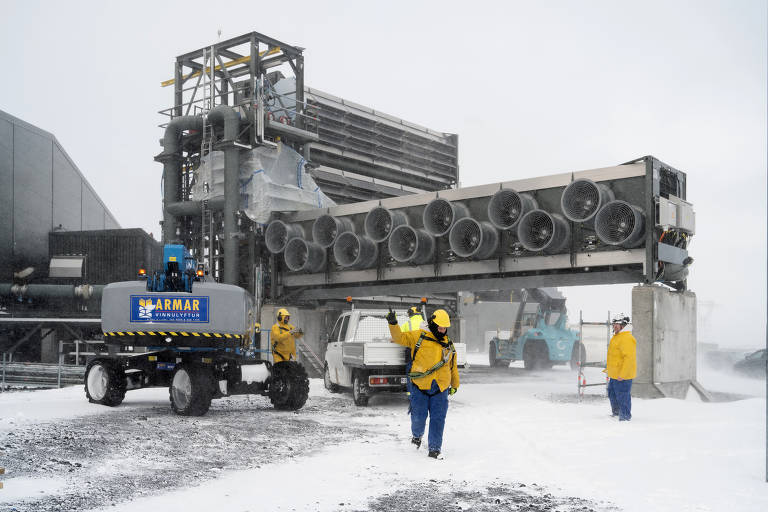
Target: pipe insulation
{"points": [[472, 239], [410, 245], [507, 207], [620, 223], [278, 233], [582, 199], [328, 228], [355, 251], [542, 231], [51, 291], [380, 222], [304, 256], [440, 214]]}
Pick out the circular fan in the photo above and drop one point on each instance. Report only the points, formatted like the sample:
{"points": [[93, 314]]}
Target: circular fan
{"points": [[506, 207], [327, 228], [355, 251], [410, 245], [278, 233], [472, 239], [620, 223], [440, 214], [582, 199], [542, 231], [380, 222], [303, 256]]}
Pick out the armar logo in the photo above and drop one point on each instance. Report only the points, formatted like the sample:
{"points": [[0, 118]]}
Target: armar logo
{"points": [[173, 308]]}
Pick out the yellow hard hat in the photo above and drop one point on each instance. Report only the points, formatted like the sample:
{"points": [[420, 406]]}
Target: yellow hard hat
{"points": [[281, 313], [440, 317], [413, 310]]}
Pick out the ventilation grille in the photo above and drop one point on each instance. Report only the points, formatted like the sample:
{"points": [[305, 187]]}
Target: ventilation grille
{"points": [[472, 239], [582, 199], [506, 208], [380, 222], [542, 231], [278, 233], [304, 256], [410, 245], [327, 228], [355, 251], [440, 214], [620, 223]]}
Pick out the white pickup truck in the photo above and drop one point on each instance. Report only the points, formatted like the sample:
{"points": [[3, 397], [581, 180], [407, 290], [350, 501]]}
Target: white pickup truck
{"points": [[361, 355]]}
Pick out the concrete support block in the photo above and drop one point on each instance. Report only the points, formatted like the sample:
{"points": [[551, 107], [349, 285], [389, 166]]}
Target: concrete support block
{"points": [[664, 324], [49, 348]]}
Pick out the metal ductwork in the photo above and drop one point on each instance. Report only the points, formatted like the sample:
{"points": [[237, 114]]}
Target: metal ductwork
{"points": [[328, 228], [472, 239], [278, 233], [542, 231], [440, 214], [380, 222], [620, 223], [355, 251], [410, 245], [304, 256], [583, 198], [507, 206]]}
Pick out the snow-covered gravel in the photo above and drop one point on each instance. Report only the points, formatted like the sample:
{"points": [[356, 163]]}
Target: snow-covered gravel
{"points": [[514, 441]]}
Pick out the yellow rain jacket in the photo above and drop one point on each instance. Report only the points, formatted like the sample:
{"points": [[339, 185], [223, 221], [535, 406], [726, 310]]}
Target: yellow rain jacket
{"points": [[429, 354], [621, 362], [283, 342], [413, 324]]}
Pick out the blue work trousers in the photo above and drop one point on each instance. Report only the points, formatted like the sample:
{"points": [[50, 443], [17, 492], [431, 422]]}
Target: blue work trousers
{"points": [[620, 396], [435, 404]]}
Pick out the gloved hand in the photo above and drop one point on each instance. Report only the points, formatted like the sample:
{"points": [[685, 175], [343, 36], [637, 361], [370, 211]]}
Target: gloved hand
{"points": [[391, 317], [453, 391]]}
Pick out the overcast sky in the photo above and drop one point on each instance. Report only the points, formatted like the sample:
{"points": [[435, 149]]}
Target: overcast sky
{"points": [[532, 88]]}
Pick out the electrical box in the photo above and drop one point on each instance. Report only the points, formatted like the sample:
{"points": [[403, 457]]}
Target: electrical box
{"points": [[676, 213]]}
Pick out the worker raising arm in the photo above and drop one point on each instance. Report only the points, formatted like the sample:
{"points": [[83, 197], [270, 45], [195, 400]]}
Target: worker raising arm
{"points": [[283, 338], [434, 374]]}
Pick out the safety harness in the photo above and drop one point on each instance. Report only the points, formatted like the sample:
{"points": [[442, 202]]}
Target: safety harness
{"points": [[446, 356]]}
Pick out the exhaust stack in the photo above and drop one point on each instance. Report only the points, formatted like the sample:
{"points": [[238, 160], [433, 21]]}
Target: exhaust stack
{"points": [[355, 251], [440, 215], [620, 223], [278, 233], [327, 229], [472, 239], [583, 198], [410, 245], [507, 206], [542, 231], [380, 222]]}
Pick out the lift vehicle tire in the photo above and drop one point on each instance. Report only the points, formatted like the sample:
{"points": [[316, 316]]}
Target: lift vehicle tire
{"points": [[330, 386], [288, 386], [360, 390], [536, 356], [105, 382], [579, 353], [191, 389], [492, 360]]}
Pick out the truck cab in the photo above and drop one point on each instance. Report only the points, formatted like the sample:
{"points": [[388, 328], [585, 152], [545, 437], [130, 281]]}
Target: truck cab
{"points": [[362, 357]]}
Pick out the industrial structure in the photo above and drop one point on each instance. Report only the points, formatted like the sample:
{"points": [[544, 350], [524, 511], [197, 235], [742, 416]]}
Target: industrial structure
{"points": [[305, 198]]}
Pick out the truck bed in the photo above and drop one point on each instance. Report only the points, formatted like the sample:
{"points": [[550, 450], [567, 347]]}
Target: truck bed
{"points": [[373, 354]]}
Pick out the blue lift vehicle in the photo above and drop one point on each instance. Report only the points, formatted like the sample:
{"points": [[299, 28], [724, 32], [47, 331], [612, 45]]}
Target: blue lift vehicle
{"points": [[540, 336], [196, 337]]}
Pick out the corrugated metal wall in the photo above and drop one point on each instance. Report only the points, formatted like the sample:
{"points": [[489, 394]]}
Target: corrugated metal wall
{"points": [[111, 255], [41, 189]]}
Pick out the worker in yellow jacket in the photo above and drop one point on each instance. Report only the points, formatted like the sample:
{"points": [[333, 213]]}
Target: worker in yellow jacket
{"points": [[621, 367], [434, 375], [283, 338]]}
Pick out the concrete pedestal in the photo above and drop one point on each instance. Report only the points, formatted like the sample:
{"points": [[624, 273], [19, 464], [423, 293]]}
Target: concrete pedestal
{"points": [[664, 324]]}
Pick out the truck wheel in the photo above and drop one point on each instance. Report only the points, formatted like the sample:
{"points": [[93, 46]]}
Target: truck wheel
{"points": [[492, 361], [289, 386], [579, 353], [191, 390], [536, 356], [330, 386], [360, 390], [105, 382]]}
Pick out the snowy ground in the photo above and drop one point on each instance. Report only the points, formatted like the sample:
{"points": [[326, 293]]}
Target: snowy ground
{"points": [[514, 441]]}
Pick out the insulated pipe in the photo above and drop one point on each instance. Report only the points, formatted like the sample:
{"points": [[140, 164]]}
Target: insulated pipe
{"points": [[328, 228], [304, 256], [582, 199], [410, 245], [472, 239], [380, 221], [440, 214], [171, 159], [542, 231], [355, 251], [194, 207], [620, 223], [507, 206], [51, 291], [278, 233], [224, 115]]}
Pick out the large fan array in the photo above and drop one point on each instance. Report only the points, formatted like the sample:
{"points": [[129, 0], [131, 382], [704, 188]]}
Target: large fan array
{"points": [[615, 222]]}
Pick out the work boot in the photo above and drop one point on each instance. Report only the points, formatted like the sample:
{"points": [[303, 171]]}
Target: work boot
{"points": [[435, 454], [416, 441]]}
